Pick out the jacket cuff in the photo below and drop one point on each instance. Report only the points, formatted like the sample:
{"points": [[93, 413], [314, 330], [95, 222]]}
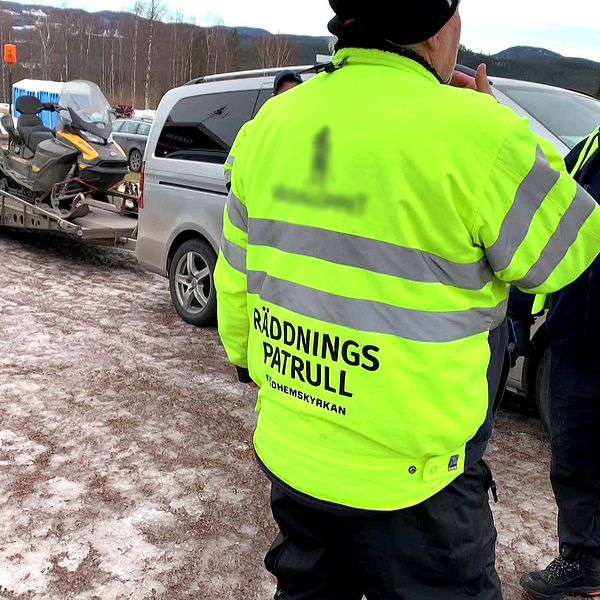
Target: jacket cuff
{"points": [[243, 375]]}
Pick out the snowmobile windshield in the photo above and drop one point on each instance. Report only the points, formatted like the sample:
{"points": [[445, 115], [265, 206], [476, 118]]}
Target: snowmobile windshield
{"points": [[86, 109]]}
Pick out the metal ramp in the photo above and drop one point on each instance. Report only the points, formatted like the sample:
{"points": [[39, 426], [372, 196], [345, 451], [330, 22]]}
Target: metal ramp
{"points": [[100, 223]]}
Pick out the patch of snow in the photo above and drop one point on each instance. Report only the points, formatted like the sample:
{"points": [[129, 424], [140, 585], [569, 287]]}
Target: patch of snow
{"points": [[124, 551], [34, 13], [17, 449], [76, 553]]}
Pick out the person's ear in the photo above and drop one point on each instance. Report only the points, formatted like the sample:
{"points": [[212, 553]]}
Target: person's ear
{"points": [[433, 43]]}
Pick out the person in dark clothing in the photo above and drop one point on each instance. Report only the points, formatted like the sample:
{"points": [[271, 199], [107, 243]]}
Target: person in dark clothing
{"points": [[573, 326], [285, 81]]}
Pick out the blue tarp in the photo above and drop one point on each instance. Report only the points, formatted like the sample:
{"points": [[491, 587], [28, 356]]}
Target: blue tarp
{"points": [[46, 91]]}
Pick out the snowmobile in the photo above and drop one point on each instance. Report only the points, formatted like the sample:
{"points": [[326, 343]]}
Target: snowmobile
{"points": [[62, 170]]}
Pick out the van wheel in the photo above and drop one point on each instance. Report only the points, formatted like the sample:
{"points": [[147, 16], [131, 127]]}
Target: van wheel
{"points": [[135, 161], [191, 283], [542, 388]]}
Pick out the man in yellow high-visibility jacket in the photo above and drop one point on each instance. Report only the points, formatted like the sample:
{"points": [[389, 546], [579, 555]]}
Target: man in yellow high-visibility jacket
{"points": [[362, 285]]}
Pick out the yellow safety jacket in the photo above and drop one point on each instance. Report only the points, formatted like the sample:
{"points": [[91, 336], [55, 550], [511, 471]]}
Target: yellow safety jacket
{"points": [[543, 302], [375, 221]]}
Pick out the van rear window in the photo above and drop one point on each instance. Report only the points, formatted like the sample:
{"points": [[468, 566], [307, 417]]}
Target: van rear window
{"points": [[203, 128]]}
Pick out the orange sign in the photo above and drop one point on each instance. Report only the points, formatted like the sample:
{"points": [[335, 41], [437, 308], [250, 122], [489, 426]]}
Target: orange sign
{"points": [[10, 54]]}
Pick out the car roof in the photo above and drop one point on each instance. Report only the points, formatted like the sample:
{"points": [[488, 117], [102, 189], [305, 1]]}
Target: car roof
{"points": [[254, 79], [519, 83], [264, 78], [252, 74]]}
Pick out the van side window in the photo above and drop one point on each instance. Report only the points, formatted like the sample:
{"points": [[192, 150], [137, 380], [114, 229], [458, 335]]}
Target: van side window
{"points": [[264, 95], [203, 128], [144, 129], [129, 127]]}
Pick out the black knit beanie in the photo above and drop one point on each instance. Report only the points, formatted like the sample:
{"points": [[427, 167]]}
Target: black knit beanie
{"points": [[366, 23]]}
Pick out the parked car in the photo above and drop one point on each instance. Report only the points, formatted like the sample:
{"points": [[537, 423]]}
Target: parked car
{"points": [[184, 188], [132, 136]]}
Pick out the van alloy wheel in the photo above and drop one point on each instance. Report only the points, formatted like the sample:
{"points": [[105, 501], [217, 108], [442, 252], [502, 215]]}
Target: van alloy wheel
{"points": [[193, 282]]}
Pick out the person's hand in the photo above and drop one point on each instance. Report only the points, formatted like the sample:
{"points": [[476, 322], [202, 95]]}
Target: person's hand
{"points": [[479, 83], [463, 80], [481, 80], [521, 344]]}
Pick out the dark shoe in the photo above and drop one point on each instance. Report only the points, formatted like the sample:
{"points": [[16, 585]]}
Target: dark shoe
{"points": [[562, 578]]}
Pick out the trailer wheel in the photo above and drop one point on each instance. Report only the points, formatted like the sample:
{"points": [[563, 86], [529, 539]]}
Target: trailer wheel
{"points": [[135, 160], [191, 283]]}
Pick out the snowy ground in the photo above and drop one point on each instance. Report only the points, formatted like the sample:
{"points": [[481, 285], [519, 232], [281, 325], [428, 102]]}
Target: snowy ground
{"points": [[126, 471]]}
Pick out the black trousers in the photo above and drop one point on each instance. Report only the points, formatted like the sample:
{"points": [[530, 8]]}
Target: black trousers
{"points": [[442, 549], [575, 474]]}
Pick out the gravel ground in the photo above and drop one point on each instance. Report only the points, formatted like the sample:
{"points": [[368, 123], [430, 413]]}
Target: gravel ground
{"points": [[126, 469]]}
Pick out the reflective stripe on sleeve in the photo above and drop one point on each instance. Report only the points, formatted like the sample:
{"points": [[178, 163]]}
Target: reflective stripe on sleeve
{"points": [[561, 241], [530, 196], [234, 255], [238, 213], [228, 169]]}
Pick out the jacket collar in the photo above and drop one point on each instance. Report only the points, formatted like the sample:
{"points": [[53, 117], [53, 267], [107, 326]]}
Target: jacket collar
{"points": [[360, 56]]}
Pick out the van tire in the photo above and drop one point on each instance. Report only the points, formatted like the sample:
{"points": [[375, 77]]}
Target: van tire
{"points": [[135, 161], [542, 388], [191, 283]]}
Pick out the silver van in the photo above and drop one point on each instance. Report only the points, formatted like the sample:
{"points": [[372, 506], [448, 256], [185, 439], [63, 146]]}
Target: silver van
{"points": [[183, 186]]}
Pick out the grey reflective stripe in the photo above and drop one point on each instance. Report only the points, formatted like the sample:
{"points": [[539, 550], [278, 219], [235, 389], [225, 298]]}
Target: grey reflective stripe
{"points": [[530, 196], [228, 169], [375, 317], [561, 241], [238, 213], [372, 255], [234, 255]]}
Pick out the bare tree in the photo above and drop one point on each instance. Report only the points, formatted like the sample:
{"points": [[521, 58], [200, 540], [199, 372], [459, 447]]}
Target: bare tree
{"points": [[45, 29], [177, 54], [275, 51], [154, 10], [85, 32], [66, 26], [6, 37], [213, 42], [120, 64], [138, 9], [124, 54], [190, 50], [232, 51]]}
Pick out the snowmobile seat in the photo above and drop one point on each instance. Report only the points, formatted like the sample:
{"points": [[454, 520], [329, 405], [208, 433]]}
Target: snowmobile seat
{"points": [[30, 125], [36, 136]]}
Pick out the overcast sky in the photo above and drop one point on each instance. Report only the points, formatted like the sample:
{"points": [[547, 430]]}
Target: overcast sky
{"points": [[571, 28]]}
